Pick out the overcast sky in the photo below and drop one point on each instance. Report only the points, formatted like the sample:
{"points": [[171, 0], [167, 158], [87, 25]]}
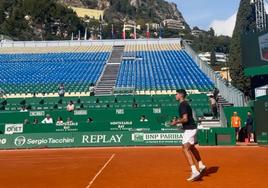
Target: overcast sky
{"points": [[218, 14]]}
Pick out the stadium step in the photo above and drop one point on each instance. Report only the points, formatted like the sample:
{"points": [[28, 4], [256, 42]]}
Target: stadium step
{"points": [[209, 123], [107, 81], [223, 102]]}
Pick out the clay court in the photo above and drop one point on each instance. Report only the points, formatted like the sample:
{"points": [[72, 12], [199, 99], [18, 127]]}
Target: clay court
{"points": [[156, 167]]}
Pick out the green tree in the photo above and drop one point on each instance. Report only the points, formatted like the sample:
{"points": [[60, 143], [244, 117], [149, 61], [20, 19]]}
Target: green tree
{"points": [[245, 22], [213, 58], [38, 20]]}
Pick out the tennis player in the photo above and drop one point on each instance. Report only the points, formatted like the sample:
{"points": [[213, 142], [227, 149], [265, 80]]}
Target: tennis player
{"points": [[189, 136]]}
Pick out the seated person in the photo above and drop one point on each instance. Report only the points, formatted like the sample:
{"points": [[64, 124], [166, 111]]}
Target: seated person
{"points": [[134, 105], [59, 121], [61, 90], [89, 120], [143, 118], [2, 93], [35, 121], [69, 120], [23, 109], [26, 122], [47, 120], [70, 106]]}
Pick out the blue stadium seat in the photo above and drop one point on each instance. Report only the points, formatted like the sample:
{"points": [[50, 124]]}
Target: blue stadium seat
{"points": [[162, 70], [43, 72]]}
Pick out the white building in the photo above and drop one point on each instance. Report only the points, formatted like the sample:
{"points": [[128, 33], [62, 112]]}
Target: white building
{"points": [[221, 58], [174, 24]]}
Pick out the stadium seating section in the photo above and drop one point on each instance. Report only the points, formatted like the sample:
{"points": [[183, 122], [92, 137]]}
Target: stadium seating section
{"points": [[162, 70], [144, 67], [38, 73], [97, 108]]}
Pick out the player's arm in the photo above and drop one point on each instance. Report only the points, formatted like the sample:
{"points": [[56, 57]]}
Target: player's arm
{"points": [[182, 120]]}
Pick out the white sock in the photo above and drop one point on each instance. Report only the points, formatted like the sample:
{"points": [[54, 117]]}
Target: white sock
{"points": [[194, 170], [200, 164]]}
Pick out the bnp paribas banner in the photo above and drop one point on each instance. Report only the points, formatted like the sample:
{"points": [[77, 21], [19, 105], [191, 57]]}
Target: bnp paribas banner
{"points": [[87, 139]]}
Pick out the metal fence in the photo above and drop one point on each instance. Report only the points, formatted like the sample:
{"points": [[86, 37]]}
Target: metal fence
{"points": [[229, 92], [87, 42]]}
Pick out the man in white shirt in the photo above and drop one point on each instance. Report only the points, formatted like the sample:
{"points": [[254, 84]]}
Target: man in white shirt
{"points": [[70, 106], [47, 120], [213, 105]]}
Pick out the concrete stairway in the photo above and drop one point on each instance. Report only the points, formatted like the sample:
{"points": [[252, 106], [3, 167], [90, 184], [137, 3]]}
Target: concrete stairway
{"points": [[209, 122], [107, 81]]}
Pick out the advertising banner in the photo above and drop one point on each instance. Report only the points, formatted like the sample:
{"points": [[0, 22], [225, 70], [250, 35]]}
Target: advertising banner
{"points": [[88, 139], [13, 128]]}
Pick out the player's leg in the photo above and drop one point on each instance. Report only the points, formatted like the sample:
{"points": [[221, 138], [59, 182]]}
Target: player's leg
{"points": [[252, 137], [196, 153], [197, 156], [237, 133], [187, 153], [187, 142]]}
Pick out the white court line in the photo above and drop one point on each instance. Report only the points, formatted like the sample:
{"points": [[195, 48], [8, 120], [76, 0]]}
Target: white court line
{"points": [[56, 158], [100, 171]]}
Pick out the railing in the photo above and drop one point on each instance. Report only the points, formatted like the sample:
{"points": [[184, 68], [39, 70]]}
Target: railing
{"points": [[123, 91], [223, 119], [118, 42], [229, 92]]}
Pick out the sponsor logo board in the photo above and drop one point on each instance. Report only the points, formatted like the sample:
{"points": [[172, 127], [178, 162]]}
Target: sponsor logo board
{"points": [[13, 128]]}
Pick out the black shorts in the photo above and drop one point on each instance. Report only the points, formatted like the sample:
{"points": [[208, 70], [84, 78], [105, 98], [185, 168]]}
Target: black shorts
{"points": [[237, 129], [250, 129]]}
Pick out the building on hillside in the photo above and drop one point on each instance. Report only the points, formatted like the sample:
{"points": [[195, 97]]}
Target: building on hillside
{"points": [[225, 73], [155, 26], [221, 58], [174, 24], [197, 32], [90, 13]]}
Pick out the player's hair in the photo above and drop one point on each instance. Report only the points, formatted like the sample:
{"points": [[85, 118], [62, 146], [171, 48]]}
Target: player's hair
{"points": [[182, 91]]}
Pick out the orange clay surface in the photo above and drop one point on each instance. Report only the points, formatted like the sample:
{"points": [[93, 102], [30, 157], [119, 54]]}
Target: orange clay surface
{"points": [[153, 167]]}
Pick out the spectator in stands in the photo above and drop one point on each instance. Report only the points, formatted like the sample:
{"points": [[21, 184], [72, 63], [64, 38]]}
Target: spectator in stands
{"points": [[143, 118], [48, 120], [61, 90], [70, 106], [92, 90], [236, 123], [2, 93], [134, 105], [249, 127], [215, 94], [89, 120], [23, 109], [59, 121], [35, 121], [213, 106], [69, 120], [26, 122]]}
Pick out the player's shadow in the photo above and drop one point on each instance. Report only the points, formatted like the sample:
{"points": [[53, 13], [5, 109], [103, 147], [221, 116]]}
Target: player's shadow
{"points": [[211, 170], [208, 172]]}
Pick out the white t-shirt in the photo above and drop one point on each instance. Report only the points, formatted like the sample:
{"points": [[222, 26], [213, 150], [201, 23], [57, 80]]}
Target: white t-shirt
{"points": [[212, 101], [70, 107]]}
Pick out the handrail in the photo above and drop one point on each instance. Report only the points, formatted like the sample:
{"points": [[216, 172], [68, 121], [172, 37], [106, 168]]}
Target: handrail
{"points": [[229, 92]]}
